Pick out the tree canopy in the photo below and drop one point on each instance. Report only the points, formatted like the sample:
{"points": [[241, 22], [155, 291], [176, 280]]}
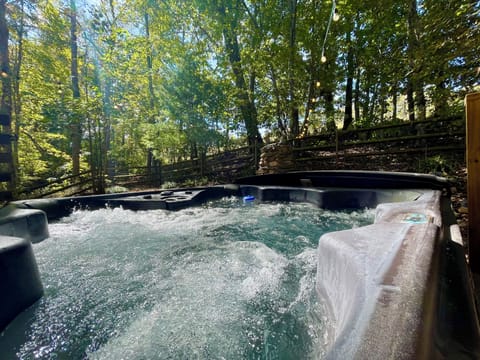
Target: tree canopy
{"points": [[110, 85]]}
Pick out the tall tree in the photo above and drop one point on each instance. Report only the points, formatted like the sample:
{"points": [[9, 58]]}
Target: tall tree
{"points": [[229, 18], [76, 123], [188, 74], [6, 95], [17, 61], [348, 117], [151, 91], [294, 113], [415, 88]]}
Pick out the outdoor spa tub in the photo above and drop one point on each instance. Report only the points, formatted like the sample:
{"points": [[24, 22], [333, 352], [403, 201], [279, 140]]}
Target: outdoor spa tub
{"points": [[393, 283]]}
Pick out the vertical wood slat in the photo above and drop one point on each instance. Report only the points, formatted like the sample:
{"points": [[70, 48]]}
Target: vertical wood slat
{"points": [[472, 104]]}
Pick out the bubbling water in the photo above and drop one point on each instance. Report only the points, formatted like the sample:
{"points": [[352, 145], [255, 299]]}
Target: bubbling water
{"points": [[223, 281]]}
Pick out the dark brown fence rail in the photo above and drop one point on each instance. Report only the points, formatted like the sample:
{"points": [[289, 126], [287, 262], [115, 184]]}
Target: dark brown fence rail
{"points": [[223, 167], [410, 146], [70, 185], [419, 146]]}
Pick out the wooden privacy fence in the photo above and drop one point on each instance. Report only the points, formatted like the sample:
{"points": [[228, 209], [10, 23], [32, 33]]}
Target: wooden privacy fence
{"points": [[395, 147], [223, 167], [407, 145], [218, 168], [69, 185]]}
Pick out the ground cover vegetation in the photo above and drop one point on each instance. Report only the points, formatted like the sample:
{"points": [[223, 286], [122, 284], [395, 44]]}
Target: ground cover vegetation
{"points": [[118, 84]]}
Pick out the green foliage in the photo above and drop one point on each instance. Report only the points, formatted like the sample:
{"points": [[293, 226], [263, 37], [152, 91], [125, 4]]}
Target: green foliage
{"points": [[166, 140], [169, 185], [178, 79], [40, 157], [203, 181], [116, 189], [437, 165]]}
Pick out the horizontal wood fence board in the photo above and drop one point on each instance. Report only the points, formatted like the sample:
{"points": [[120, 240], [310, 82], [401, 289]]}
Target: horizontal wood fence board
{"points": [[336, 150], [128, 176], [82, 191], [82, 176], [233, 165], [144, 181], [176, 171], [178, 167], [237, 159], [225, 171], [383, 141], [315, 148], [412, 125], [407, 125], [459, 148], [406, 138], [63, 188], [232, 153]]}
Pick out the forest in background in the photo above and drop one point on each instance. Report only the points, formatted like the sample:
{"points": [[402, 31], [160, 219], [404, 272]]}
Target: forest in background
{"points": [[103, 84]]}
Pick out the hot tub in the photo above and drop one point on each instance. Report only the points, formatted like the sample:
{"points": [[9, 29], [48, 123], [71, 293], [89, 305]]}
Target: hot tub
{"points": [[397, 288]]}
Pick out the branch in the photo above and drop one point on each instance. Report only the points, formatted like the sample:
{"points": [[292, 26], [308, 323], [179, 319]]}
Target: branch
{"points": [[35, 143]]}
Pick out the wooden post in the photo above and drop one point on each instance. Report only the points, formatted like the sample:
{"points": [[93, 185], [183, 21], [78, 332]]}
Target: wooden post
{"points": [[472, 104]]}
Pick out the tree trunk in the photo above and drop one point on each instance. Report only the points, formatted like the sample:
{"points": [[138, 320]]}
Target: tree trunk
{"points": [[420, 101], [366, 102], [278, 106], [329, 110], [410, 101], [383, 107], [245, 103], [76, 125], [6, 98], [440, 97], [373, 104], [357, 96], [151, 92], [348, 117], [314, 81], [107, 129], [309, 107], [294, 125], [5, 76], [17, 98], [394, 102], [415, 81]]}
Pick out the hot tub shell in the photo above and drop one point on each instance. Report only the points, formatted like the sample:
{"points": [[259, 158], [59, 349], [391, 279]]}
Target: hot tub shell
{"points": [[399, 288]]}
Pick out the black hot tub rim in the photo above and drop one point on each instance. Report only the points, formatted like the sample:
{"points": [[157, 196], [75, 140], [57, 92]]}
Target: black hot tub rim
{"points": [[446, 324]]}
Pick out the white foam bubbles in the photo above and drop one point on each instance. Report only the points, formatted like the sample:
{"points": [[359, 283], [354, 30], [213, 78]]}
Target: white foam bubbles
{"points": [[223, 280]]}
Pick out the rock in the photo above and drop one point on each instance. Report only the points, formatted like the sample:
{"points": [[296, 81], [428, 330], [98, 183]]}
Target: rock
{"points": [[276, 158]]}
